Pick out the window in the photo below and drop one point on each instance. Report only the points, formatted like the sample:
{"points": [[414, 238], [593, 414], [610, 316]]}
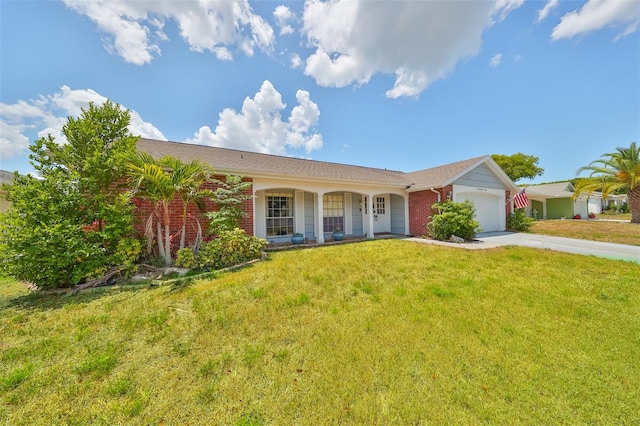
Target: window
{"points": [[380, 205], [333, 212], [279, 213]]}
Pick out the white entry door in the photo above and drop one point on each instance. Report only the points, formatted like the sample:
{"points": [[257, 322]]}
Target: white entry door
{"points": [[381, 213]]}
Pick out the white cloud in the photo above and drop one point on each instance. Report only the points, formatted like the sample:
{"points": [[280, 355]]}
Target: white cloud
{"points": [[13, 142], [418, 41], [135, 27], [548, 7], [296, 61], [259, 125], [496, 60], [283, 16], [597, 14], [48, 114]]}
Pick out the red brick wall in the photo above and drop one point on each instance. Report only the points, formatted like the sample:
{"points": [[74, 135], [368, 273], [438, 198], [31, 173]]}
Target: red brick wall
{"points": [[145, 208], [420, 208]]}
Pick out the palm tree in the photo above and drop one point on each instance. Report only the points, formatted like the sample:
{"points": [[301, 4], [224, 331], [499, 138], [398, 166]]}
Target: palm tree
{"points": [[618, 170], [150, 180], [188, 179]]}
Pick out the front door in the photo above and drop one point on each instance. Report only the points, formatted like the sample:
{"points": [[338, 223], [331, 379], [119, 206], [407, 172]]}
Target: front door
{"points": [[381, 214]]}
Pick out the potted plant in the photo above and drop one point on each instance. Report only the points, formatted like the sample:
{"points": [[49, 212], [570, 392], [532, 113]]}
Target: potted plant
{"points": [[592, 216], [338, 235], [297, 238], [577, 216]]}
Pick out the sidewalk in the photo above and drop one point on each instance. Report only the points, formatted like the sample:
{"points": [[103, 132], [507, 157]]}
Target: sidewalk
{"points": [[568, 245]]}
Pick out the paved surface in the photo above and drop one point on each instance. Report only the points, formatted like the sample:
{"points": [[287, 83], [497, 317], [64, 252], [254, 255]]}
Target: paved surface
{"points": [[569, 245]]}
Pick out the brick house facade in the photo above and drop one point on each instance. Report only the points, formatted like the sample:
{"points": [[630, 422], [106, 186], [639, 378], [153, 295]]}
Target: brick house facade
{"points": [[144, 208], [314, 198]]}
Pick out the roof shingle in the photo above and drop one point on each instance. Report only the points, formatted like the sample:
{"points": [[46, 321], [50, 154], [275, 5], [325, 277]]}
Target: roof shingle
{"points": [[231, 161]]}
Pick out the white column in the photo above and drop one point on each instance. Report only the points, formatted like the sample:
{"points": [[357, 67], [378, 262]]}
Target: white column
{"points": [[406, 214], [259, 215], [299, 212], [371, 203], [319, 216], [348, 214]]}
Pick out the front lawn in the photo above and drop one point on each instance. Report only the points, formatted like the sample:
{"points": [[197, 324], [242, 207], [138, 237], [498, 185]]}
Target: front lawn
{"points": [[378, 332], [595, 230]]}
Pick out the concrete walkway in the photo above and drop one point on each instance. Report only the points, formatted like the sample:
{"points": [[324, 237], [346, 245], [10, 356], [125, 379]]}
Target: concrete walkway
{"points": [[489, 240]]}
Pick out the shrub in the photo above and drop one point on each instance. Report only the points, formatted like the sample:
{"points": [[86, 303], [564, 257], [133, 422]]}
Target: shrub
{"points": [[51, 236], [453, 219], [186, 258], [230, 248], [229, 197], [518, 221]]}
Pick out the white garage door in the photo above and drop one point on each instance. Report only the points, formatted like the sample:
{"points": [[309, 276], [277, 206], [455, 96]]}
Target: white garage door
{"points": [[487, 212]]}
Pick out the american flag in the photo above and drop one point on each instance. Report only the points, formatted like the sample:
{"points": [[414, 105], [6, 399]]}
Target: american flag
{"points": [[521, 200]]}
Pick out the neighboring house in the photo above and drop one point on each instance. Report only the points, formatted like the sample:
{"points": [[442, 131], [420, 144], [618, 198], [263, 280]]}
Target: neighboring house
{"points": [[315, 198], [616, 199], [5, 177], [555, 201]]}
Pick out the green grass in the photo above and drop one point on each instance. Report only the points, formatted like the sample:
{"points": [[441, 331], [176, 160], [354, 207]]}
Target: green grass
{"points": [[379, 332], [594, 230]]}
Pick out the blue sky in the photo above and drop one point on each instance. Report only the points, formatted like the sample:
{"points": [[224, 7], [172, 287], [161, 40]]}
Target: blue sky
{"points": [[403, 85]]}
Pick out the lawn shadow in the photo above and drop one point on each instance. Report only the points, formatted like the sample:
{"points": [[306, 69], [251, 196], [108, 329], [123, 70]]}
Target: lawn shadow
{"points": [[42, 301], [58, 299]]}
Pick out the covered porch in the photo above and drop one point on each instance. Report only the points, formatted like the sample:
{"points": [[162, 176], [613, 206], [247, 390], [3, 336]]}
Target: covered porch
{"points": [[284, 208]]}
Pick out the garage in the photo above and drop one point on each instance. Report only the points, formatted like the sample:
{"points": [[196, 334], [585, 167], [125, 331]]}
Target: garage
{"points": [[489, 206]]}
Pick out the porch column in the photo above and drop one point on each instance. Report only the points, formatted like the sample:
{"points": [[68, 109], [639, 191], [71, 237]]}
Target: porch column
{"points": [[406, 214], [371, 203], [299, 212], [348, 214], [259, 214], [319, 218]]}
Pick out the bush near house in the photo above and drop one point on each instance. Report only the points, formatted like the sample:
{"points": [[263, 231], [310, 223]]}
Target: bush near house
{"points": [[453, 219], [227, 249], [518, 221]]}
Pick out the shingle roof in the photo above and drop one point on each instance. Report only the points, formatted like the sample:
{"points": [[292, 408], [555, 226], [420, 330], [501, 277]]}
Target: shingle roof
{"points": [[559, 189], [6, 177], [231, 161], [438, 177]]}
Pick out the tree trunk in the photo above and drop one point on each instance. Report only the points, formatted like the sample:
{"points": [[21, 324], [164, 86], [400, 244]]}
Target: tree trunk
{"points": [[184, 225], [167, 234], [634, 204], [148, 233], [159, 234]]}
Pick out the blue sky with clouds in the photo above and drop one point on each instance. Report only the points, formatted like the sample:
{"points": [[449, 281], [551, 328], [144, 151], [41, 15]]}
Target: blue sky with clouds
{"points": [[402, 85]]}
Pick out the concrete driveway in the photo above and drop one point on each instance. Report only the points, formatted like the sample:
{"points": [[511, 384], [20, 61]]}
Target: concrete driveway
{"points": [[569, 245]]}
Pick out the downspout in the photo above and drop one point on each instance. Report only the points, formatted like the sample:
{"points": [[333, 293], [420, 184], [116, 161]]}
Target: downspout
{"points": [[435, 192]]}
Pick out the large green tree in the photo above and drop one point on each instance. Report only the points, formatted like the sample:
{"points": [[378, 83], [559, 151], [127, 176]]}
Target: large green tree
{"points": [[519, 166], [615, 171], [71, 223]]}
